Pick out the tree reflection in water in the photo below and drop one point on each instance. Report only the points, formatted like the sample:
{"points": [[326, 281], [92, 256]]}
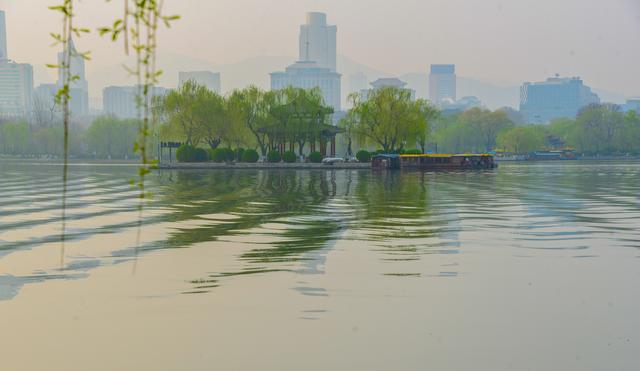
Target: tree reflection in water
{"points": [[302, 214]]}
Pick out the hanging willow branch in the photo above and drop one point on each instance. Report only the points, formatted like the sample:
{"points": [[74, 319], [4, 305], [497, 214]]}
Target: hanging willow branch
{"points": [[138, 29], [63, 96]]}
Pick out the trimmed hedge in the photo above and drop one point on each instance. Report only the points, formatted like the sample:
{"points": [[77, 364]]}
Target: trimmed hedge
{"points": [[250, 156], [274, 157], [189, 153], [289, 157], [238, 152], [315, 157], [363, 156], [222, 155]]}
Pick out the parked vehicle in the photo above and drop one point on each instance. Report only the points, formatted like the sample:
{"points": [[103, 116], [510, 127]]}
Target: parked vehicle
{"points": [[332, 160]]}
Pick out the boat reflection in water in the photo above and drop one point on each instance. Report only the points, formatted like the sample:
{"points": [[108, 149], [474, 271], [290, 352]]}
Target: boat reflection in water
{"points": [[434, 162]]}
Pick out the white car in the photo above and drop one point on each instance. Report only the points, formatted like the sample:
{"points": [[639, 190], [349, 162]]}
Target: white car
{"points": [[332, 160]]}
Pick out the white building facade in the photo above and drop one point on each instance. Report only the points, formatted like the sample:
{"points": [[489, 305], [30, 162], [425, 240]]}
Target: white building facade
{"points": [[122, 102], [308, 75], [442, 83], [557, 97], [3, 37], [318, 41], [211, 80], [16, 89], [16, 81]]}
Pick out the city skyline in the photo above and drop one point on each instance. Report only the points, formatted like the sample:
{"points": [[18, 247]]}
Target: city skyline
{"points": [[606, 67]]}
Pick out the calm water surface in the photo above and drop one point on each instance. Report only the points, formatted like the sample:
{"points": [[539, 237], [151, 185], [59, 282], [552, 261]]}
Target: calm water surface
{"points": [[529, 267]]}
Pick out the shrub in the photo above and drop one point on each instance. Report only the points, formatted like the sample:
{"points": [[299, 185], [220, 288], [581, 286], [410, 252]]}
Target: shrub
{"points": [[229, 154], [413, 152], [315, 157], [221, 155], [238, 154], [363, 156], [289, 157], [213, 154], [274, 156], [189, 153], [201, 155], [250, 155]]}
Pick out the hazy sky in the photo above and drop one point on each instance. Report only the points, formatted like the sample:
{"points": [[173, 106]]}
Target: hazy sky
{"points": [[503, 41]]}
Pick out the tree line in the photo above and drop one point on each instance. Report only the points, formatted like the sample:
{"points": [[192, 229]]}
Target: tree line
{"points": [[387, 120], [106, 137], [251, 117]]}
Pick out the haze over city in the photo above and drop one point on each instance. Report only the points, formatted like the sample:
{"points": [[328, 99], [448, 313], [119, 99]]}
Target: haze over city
{"points": [[502, 43], [319, 185]]}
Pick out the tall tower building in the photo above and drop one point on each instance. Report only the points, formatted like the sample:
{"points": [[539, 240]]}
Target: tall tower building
{"points": [[3, 37], [318, 41], [16, 81], [79, 88], [442, 83]]}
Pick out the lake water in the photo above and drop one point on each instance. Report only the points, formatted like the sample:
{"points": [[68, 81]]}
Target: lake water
{"points": [[528, 267]]}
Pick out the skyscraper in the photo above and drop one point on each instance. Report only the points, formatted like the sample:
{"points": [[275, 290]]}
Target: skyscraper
{"points": [[79, 88], [442, 83], [317, 65], [308, 75], [16, 89], [208, 79], [318, 41], [122, 102], [16, 81], [554, 98], [3, 37]]}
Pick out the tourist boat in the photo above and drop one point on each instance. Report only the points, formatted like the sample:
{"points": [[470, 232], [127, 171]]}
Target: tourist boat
{"points": [[434, 162]]}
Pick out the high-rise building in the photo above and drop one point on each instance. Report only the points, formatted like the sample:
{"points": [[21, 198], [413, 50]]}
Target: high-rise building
{"points": [[3, 37], [557, 97], [632, 104], [16, 89], [45, 95], [318, 41], [317, 65], [442, 83], [308, 75], [208, 79], [122, 102], [16, 81], [78, 88], [386, 83]]}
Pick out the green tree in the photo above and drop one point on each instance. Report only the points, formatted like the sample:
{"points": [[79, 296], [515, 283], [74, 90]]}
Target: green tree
{"points": [[522, 139], [182, 108], [14, 138], [109, 137], [388, 118]]}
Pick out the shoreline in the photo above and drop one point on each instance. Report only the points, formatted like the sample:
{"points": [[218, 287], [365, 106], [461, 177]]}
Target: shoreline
{"points": [[262, 166]]}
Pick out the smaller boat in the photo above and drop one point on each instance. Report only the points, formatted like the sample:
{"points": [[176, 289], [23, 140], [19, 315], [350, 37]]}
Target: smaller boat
{"points": [[434, 162]]}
